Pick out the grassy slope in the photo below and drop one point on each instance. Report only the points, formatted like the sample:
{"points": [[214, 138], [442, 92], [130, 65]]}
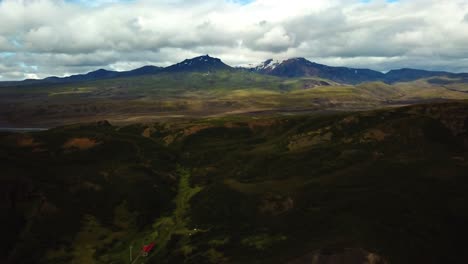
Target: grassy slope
{"points": [[382, 181], [250, 190], [165, 96], [66, 204]]}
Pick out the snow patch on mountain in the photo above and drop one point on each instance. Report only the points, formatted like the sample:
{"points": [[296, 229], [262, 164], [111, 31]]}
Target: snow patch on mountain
{"points": [[269, 64]]}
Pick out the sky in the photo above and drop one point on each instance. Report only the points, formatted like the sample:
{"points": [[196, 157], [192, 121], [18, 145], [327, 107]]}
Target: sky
{"points": [[40, 38]]}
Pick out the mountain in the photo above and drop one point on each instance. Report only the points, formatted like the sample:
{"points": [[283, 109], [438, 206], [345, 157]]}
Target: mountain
{"points": [[290, 68], [145, 70], [300, 67], [90, 76], [406, 74], [100, 74], [97, 75], [104, 74], [199, 64], [267, 66]]}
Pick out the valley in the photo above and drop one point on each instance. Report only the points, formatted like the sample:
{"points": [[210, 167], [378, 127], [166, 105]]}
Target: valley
{"points": [[233, 132], [200, 162], [387, 185]]}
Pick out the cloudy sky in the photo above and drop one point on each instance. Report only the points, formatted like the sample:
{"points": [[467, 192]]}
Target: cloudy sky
{"points": [[39, 38]]}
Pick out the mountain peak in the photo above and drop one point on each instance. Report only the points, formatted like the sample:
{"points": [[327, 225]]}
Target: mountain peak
{"points": [[99, 70], [267, 65], [199, 64], [204, 57], [101, 73], [301, 59], [301, 67]]}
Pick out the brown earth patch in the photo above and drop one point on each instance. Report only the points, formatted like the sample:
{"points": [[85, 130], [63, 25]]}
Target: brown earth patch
{"points": [[276, 204], [231, 125], [350, 120], [374, 135], [261, 123], [169, 139], [80, 143], [195, 129], [26, 141], [147, 132], [309, 139]]}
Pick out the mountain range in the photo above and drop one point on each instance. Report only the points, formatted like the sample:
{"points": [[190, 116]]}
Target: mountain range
{"points": [[290, 68], [300, 67]]}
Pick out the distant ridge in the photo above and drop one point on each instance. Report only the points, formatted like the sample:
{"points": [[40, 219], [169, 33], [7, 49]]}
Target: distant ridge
{"points": [[289, 68], [301, 67], [198, 64], [100, 74], [407, 74]]}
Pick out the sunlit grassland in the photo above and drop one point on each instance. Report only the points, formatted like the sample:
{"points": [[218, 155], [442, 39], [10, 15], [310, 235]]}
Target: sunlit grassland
{"points": [[204, 94], [79, 90]]}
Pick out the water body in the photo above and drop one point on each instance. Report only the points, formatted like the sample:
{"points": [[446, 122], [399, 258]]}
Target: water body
{"points": [[22, 129]]}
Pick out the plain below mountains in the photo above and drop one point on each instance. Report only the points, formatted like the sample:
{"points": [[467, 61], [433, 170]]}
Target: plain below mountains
{"points": [[206, 87]]}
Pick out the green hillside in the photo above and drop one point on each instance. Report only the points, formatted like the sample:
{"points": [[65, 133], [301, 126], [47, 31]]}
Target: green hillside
{"points": [[187, 95], [387, 185]]}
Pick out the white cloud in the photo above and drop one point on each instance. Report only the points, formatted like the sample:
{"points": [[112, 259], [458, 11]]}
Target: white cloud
{"points": [[31, 76], [75, 36], [276, 39]]}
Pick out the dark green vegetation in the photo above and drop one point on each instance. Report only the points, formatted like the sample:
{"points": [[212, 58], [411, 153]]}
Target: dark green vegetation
{"points": [[70, 193], [242, 189]]}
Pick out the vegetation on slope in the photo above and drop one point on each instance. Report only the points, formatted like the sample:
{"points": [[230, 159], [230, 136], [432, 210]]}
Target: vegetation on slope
{"points": [[388, 185], [202, 94]]}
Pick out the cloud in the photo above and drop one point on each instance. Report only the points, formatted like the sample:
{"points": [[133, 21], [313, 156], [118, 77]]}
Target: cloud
{"points": [[54, 37], [275, 40]]}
